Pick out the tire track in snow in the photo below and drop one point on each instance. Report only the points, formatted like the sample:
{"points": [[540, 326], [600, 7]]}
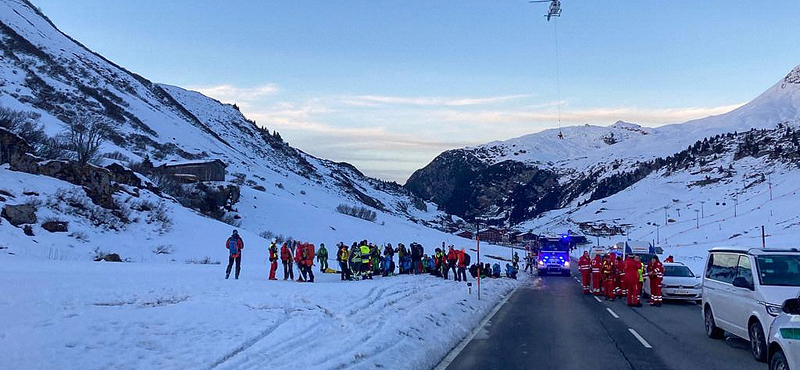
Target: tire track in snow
{"points": [[249, 343]]}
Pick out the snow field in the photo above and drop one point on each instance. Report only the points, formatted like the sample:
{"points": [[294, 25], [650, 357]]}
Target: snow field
{"points": [[89, 315]]}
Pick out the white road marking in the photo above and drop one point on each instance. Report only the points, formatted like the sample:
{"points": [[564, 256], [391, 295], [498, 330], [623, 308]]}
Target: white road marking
{"points": [[460, 347], [598, 299], [639, 337], [612, 313]]}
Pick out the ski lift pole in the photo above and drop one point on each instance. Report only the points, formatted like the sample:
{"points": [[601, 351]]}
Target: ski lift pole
{"points": [[478, 241]]}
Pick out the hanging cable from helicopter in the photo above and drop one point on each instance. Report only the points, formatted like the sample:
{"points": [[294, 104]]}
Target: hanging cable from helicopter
{"points": [[553, 12]]}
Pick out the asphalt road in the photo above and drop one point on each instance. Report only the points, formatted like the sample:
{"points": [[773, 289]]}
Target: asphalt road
{"points": [[550, 324]]}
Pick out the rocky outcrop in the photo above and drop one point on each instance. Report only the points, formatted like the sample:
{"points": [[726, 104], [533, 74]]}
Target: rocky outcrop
{"points": [[19, 214], [12, 147], [466, 186], [211, 200], [55, 226], [95, 180]]}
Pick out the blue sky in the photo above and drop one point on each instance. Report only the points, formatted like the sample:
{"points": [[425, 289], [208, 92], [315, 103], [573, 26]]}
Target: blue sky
{"points": [[388, 85]]}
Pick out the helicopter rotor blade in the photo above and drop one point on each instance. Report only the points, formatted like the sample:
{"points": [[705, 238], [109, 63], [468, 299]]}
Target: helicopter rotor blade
{"points": [[540, 1]]}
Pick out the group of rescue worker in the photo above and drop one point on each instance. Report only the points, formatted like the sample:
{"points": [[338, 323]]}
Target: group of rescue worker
{"points": [[363, 260], [613, 277]]}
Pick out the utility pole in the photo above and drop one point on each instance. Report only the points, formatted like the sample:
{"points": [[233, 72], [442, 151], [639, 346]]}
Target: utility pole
{"points": [[769, 181], [478, 241], [628, 232], [735, 203], [702, 209], [697, 218], [763, 238]]}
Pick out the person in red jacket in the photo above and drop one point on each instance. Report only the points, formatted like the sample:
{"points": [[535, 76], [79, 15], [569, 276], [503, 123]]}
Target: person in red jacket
{"points": [[608, 276], [234, 245], [462, 266], [286, 259], [585, 268], [298, 259], [308, 261], [597, 274], [273, 259], [632, 267], [656, 273], [452, 260], [669, 259], [621, 291]]}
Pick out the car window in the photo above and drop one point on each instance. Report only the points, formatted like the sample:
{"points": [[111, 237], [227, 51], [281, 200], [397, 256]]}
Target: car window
{"points": [[722, 267], [680, 271], [779, 269], [745, 269]]}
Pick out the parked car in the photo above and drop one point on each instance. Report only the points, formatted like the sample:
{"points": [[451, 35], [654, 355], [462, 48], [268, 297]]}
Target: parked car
{"points": [[743, 290], [679, 283], [784, 338]]}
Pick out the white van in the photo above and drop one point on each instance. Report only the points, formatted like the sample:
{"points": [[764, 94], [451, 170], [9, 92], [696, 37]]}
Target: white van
{"points": [[743, 290]]}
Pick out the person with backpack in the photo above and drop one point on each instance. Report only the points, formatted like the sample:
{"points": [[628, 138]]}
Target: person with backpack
{"points": [[234, 245], [286, 259], [366, 260], [463, 262], [273, 259], [355, 261], [496, 270], [300, 261], [322, 257], [308, 261]]}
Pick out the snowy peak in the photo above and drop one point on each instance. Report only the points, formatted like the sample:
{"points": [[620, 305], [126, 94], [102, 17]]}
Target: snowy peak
{"points": [[793, 77]]}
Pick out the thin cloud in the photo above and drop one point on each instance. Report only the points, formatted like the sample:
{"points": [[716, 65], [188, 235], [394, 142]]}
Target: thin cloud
{"points": [[240, 95], [378, 100], [602, 115]]}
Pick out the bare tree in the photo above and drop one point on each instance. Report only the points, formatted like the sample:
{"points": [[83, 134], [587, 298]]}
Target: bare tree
{"points": [[85, 135]]}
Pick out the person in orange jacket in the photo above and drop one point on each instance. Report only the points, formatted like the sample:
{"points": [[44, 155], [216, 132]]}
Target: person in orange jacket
{"points": [[462, 266], [300, 261], [656, 274], [452, 261], [597, 274], [273, 259], [608, 276], [308, 261], [286, 259], [585, 268], [632, 267], [622, 291]]}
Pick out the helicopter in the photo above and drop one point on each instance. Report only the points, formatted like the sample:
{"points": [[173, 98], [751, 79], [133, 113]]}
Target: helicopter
{"points": [[555, 8]]}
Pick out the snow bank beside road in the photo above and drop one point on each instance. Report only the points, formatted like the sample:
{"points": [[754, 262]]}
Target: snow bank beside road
{"points": [[86, 315]]}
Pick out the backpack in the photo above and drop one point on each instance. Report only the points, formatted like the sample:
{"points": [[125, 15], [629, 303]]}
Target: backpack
{"points": [[233, 246], [466, 259]]}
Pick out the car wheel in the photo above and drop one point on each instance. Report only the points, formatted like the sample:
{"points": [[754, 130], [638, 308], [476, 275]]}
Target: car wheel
{"points": [[758, 344], [565, 273], [542, 273], [712, 330], [778, 361]]}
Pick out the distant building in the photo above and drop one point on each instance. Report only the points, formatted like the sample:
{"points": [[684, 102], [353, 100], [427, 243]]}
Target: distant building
{"points": [[194, 171], [466, 235], [492, 235]]}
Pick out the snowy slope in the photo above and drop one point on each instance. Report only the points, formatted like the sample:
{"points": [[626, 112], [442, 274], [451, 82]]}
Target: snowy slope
{"points": [[45, 71]]}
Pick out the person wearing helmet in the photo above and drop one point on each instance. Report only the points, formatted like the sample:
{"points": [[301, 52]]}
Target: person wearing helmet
{"points": [[273, 259], [322, 257]]}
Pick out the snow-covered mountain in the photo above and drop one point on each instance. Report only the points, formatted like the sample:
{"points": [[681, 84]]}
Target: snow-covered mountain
{"points": [[45, 72], [516, 180]]}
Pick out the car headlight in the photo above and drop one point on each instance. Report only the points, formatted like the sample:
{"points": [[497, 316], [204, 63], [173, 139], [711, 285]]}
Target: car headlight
{"points": [[698, 286], [541, 262], [566, 264], [773, 309]]}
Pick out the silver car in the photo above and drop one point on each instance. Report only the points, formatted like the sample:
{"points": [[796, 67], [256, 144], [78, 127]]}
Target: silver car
{"points": [[679, 283], [784, 338]]}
